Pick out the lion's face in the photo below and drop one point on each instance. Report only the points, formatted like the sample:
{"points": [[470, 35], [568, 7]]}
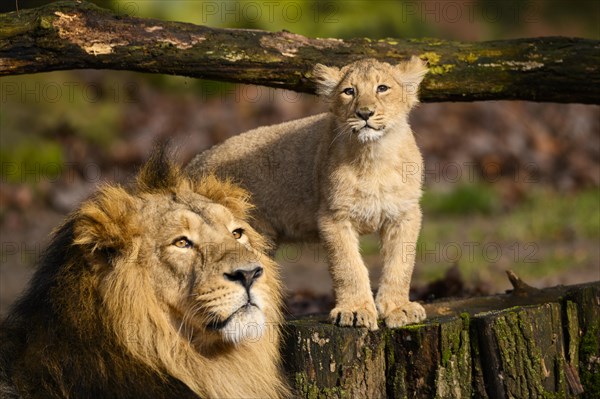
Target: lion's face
{"points": [[205, 266], [184, 251], [370, 98]]}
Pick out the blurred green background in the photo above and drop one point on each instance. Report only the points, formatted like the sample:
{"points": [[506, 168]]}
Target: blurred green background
{"points": [[526, 196], [452, 20]]}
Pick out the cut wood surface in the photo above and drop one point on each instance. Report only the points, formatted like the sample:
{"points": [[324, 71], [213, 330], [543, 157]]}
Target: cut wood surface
{"points": [[532, 344], [76, 35]]}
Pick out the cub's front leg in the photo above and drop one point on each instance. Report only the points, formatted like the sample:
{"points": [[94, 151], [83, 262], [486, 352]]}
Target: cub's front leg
{"points": [[354, 305], [399, 242]]}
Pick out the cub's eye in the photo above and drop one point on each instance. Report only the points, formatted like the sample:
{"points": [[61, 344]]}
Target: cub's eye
{"points": [[349, 91], [183, 242], [382, 88], [238, 233]]}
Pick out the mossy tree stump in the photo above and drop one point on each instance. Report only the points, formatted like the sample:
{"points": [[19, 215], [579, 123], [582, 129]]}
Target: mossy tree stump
{"points": [[527, 344]]}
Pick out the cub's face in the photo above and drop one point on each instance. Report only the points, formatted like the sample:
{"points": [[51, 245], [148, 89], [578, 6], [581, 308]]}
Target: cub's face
{"points": [[205, 268], [370, 98]]}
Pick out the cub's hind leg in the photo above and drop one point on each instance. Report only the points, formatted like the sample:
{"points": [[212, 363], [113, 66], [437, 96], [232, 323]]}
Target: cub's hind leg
{"points": [[399, 242], [354, 304]]}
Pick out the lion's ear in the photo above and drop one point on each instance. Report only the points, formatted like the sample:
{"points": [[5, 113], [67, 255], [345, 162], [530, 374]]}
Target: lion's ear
{"points": [[326, 78], [105, 222], [413, 71], [226, 193]]}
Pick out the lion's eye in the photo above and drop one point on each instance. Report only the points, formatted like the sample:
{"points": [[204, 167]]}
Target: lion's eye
{"points": [[183, 242], [238, 233], [349, 91], [382, 88]]}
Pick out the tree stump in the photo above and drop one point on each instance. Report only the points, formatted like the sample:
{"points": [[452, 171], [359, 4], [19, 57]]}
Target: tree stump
{"points": [[525, 344]]}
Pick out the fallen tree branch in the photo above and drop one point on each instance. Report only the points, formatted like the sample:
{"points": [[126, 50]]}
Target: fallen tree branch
{"points": [[76, 35]]}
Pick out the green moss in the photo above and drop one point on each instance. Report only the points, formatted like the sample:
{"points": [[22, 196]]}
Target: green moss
{"points": [[454, 377], [46, 22], [489, 53], [450, 340], [389, 344], [466, 319], [413, 327], [441, 69], [10, 27], [396, 374], [307, 389], [553, 395], [134, 48], [431, 57], [523, 363], [571, 323], [469, 58], [428, 41], [399, 383], [589, 343], [589, 363], [446, 355]]}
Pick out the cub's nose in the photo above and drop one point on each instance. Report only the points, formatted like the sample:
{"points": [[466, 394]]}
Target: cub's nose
{"points": [[245, 276], [364, 113]]}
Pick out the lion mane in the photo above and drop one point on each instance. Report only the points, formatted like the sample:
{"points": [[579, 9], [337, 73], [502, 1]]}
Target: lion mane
{"points": [[102, 317]]}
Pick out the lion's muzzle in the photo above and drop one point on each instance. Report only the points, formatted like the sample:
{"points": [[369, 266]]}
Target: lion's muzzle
{"points": [[245, 276]]}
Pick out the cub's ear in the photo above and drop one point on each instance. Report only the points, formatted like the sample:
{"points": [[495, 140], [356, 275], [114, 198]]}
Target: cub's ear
{"points": [[326, 78], [410, 75], [412, 71], [226, 193], [105, 221]]}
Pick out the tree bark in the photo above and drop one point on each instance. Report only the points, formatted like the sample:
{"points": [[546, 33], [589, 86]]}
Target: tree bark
{"points": [[75, 35], [534, 344]]}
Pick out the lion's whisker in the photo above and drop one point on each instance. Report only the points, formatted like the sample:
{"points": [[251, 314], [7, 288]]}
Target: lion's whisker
{"points": [[342, 130], [188, 315]]}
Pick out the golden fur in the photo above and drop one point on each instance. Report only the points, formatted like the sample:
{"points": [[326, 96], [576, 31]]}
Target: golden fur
{"points": [[140, 296], [334, 176]]}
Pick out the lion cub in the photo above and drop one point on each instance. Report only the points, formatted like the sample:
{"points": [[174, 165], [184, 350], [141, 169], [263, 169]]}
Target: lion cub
{"points": [[334, 176]]}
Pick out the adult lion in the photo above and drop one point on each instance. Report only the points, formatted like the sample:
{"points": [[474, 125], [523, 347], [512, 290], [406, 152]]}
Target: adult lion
{"points": [[158, 291]]}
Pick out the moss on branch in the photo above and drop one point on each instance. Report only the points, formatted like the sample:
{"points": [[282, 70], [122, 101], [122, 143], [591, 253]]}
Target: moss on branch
{"points": [[75, 35]]}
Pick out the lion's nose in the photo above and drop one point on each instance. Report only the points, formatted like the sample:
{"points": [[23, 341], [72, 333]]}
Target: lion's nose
{"points": [[245, 276], [364, 113]]}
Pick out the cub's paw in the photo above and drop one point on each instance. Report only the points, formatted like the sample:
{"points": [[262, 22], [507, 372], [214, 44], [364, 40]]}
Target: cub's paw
{"points": [[407, 313], [355, 316]]}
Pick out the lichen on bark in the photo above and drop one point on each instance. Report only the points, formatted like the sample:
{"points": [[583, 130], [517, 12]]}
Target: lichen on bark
{"points": [[77, 34]]}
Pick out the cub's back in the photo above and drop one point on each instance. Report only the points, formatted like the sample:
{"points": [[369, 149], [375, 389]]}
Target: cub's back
{"points": [[277, 165]]}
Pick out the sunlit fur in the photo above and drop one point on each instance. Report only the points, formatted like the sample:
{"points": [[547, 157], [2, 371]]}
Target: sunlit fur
{"points": [[335, 176], [116, 310]]}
